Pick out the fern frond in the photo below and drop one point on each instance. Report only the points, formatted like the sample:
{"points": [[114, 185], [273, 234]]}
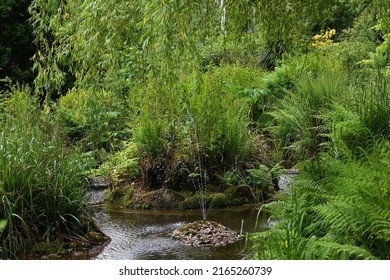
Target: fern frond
{"points": [[320, 249]]}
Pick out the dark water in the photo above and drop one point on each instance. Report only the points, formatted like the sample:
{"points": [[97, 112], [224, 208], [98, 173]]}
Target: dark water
{"points": [[146, 234]]}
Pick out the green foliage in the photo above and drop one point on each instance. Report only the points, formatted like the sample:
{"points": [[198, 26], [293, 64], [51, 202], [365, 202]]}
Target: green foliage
{"points": [[260, 180], [94, 119], [219, 115], [121, 166], [219, 200], [299, 123], [41, 194], [343, 216], [189, 72], [151, 138], [206, 128], [348, 134], [373, 103], [194, 201], [241, 194], [286, 26]]}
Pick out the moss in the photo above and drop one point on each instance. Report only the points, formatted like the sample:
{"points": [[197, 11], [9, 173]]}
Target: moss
{"points": [[128, 197], [114, 195], [239, 195], [194, 201], [159, 199], [219, 200]]}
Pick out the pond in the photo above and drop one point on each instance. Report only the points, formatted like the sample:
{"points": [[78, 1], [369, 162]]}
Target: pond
{"points": [[146, 234]]}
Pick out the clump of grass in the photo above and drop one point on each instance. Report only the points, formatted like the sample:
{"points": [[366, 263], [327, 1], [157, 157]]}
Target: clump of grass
{"points": [[41, 195], [205, 131], [372, 103]]}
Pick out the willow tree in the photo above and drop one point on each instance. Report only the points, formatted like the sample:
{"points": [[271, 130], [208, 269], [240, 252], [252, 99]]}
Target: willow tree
{"points": [[100, 42], [113, 43]]}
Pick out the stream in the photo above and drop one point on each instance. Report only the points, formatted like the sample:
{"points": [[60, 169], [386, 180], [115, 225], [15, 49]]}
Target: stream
{"points": [[146, 234]]}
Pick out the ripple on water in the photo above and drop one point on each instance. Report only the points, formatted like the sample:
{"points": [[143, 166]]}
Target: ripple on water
{"points": [[146, 235]]}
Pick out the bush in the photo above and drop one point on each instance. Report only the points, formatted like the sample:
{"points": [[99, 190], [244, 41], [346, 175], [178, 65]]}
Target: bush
{"points": [[94, 119], [121, 166]]}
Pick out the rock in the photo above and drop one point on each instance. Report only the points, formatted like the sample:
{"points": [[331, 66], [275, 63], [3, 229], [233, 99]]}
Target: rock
{"points": [[205, 233], [98, 182], [239, 195], [286, 179], [159, 199]]}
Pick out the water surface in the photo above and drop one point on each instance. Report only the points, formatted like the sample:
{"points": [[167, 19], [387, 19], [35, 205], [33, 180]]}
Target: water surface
{"points": [[146, 234]]}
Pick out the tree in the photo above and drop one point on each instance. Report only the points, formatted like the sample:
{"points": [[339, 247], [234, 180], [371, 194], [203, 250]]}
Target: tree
{"points": [[16, 47]]}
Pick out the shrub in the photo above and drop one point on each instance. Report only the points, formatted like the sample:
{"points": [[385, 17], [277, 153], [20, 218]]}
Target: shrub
{"points": [[95, 119], [121, 166]]}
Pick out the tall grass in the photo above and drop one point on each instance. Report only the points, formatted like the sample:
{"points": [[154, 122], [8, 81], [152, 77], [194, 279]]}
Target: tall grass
{"points": [[372, 102], [206, 130], [40, 180], [220, 116]]}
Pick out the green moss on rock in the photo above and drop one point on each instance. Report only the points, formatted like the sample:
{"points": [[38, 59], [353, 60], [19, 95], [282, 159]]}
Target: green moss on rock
{"points": [[239, 195], [219, 200], [159, 199]]}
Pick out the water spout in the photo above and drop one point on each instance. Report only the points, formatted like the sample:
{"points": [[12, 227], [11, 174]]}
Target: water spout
{"points": [[200, 176]]}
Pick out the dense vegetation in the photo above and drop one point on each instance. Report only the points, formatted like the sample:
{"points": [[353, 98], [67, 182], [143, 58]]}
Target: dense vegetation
{"points": [[199, 96]]}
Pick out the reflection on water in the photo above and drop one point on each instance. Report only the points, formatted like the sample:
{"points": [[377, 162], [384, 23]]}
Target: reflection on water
{"points": [[146, 235]]}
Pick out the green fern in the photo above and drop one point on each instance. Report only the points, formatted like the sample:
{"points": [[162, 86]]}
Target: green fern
{"points": [[345, 215]]}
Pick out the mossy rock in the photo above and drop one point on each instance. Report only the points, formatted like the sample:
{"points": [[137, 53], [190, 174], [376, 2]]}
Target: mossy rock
{"points": [[194, 201], [114, 195], [219, 200], [264, 194], [97, 237], [159, 199], [120, 195], [239, 195]]}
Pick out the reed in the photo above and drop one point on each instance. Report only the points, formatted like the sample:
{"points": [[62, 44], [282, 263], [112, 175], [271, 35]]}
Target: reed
{"points": [[40, 180]]}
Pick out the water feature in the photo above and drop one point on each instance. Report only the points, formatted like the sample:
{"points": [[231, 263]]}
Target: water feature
{"points": [[146, 234], [287, 178]]}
